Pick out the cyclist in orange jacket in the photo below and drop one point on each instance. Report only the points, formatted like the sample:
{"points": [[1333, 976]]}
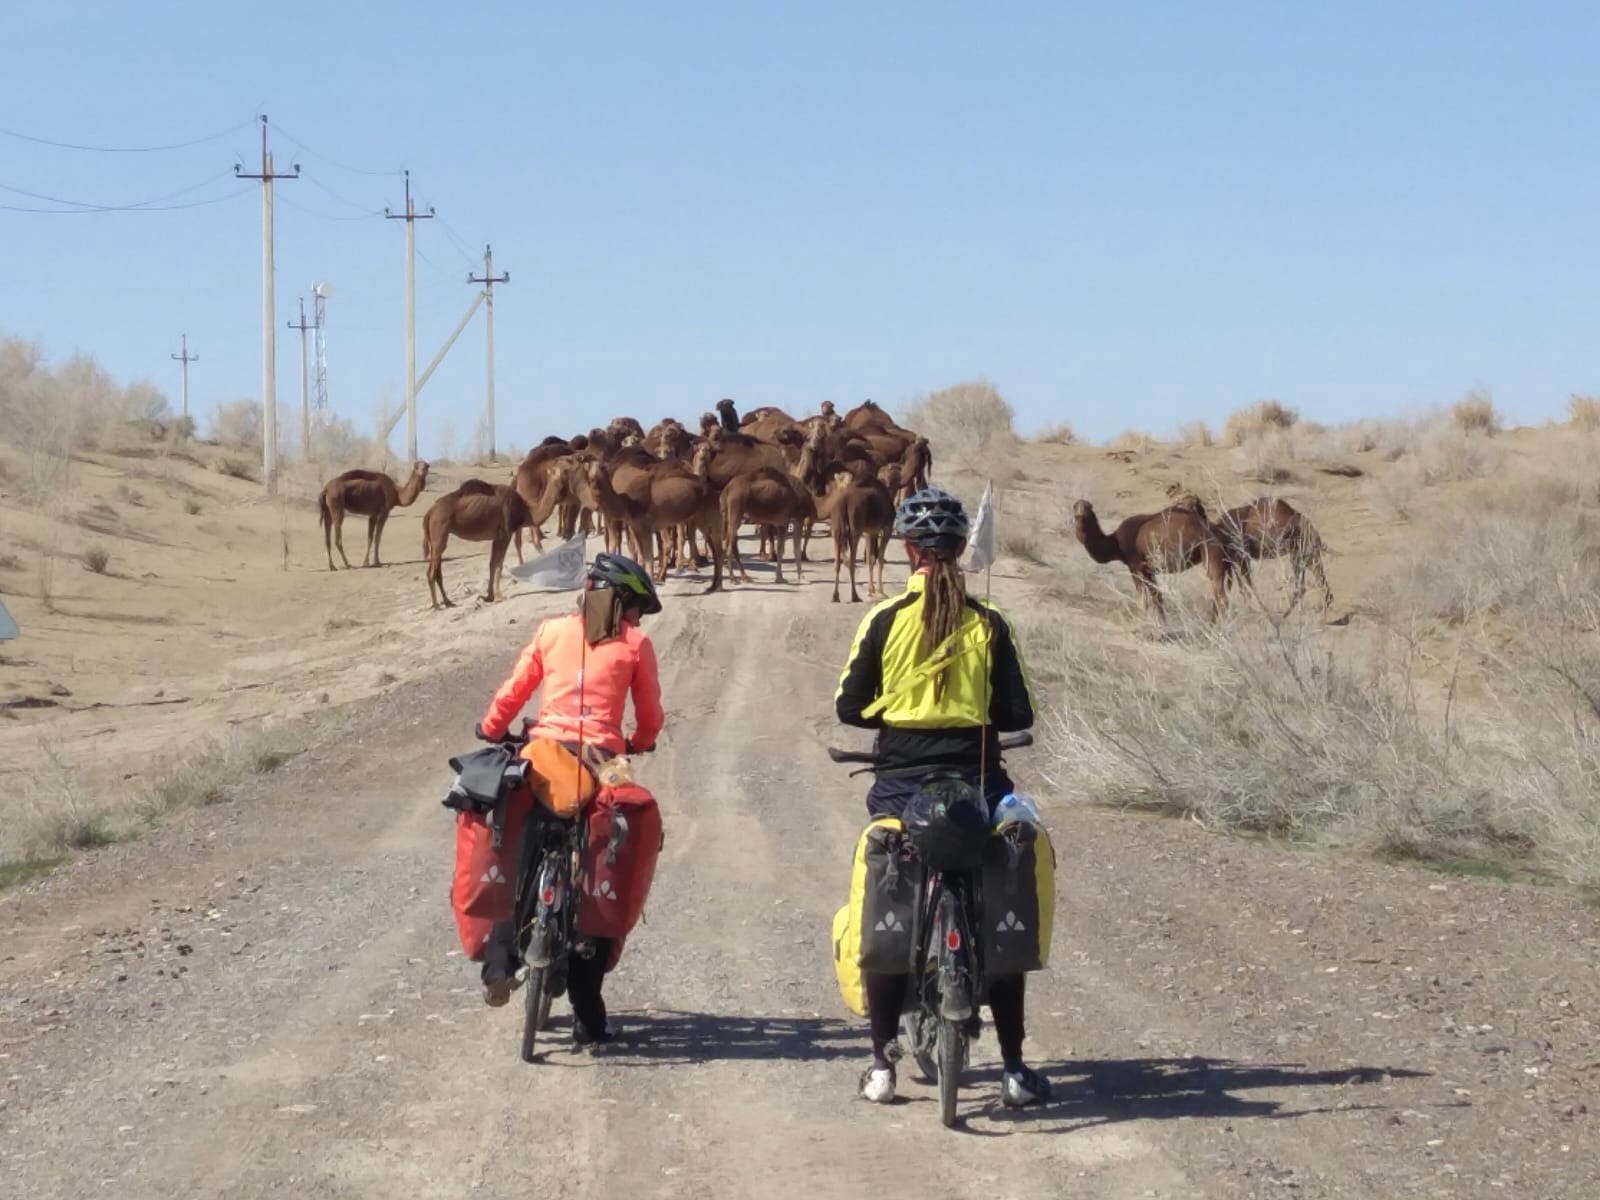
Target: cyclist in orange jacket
{"points": [[589, 662]]}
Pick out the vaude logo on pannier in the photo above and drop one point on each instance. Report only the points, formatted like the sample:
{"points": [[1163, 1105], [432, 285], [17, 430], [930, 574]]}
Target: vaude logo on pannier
{"points": [[492, 875], [604, 890], [1010, 924], [890, 924]]}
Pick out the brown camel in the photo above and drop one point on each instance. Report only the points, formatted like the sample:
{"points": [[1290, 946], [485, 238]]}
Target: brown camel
{"points": [[644, 500], [369, 494], [728, 415], [867, 416], [769, 498], [858, 505], [476, 511], [1270, 528], [1170, 541]]}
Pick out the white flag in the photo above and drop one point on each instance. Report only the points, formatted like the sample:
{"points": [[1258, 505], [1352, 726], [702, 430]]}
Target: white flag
{"points": [[980, 542], [560, 568]]}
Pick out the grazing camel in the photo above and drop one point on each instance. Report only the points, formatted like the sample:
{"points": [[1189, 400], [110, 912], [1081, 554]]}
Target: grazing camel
{"points": [[648, 501], [1270, 528], [769, 498], [370, 494], [856, 506], [1167, 542], [476, 512]]}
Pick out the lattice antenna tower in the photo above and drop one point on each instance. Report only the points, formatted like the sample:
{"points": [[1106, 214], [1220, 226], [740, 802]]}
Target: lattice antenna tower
{"points": [[319, 343]]}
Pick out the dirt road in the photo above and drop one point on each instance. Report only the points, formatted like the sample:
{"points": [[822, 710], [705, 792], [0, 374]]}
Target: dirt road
{"points": [[267, 998]]}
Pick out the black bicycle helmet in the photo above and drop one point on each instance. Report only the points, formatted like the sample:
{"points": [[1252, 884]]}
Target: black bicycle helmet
{"points": [[933, 519], [628, 577]]}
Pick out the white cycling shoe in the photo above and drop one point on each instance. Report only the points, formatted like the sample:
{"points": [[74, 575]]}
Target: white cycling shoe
{"points": [[877, 1084], [1019, 1089]]}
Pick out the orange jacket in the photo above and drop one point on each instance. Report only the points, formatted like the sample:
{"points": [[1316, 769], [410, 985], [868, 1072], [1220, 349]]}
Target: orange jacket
{"points": [[558, 657]]}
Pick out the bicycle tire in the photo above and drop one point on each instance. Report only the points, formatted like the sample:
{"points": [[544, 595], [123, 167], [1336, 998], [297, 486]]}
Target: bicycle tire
{"points": [[536, 1010], [952, 1056], [925, 1045]]}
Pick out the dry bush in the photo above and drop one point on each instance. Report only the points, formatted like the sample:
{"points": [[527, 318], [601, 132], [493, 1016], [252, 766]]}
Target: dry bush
{"points": [[1195, 433], [1391, 439], [97, 559], [969, 425], [1266, 458], [1475, 413], [208, 775], [1135, 440], [1059, 434], [237, 468], [1393, 493], [1257, 421], [1449, 454], [237, 425], [1024, 548], [1584, 412]]}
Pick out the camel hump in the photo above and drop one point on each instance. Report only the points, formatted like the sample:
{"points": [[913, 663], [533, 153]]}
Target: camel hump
{"points": [[1190, 503]]}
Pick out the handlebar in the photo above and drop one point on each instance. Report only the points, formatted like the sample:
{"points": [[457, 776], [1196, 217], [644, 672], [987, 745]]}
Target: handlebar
{"points": [[1008, 741]]}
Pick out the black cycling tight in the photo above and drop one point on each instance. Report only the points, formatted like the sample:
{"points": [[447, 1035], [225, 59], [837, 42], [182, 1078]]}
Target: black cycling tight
{"points": [[585, 977], [886, 998]]}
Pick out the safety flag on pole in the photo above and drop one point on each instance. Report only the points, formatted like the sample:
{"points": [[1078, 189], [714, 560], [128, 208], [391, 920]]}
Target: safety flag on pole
{"points": [[8, 627], [980, 542], [559, 569]]}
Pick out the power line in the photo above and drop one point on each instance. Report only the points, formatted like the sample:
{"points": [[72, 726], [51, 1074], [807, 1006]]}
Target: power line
{"points": [[148, 208], [331, 160], [322, 216], [28, 137], [362, 208], [90, 205], [460, 243]]}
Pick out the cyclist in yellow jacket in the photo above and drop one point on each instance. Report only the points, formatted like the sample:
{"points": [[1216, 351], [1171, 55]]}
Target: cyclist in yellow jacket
{"points": [[943, 678]]}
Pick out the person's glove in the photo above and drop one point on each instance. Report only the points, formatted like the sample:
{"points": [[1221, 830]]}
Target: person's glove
{"points": [[477, 732]]}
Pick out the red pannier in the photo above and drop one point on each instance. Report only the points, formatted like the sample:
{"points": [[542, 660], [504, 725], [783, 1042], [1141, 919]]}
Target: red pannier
{"points": [[624, 841], [486, 872]]}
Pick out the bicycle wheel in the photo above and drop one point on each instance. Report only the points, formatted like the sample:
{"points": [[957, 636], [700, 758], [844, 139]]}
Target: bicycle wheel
{"points": [[952, 1057], [536, 1009]]}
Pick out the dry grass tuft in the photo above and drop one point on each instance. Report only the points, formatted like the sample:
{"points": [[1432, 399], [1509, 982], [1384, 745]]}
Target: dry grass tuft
{"points": [[1584, 412], [1475, 413], [208, 775], [1195, 433], [1136, 440], [1024, 548], [238, 468], [1257, 421], [1059, 434], [97, 559]]}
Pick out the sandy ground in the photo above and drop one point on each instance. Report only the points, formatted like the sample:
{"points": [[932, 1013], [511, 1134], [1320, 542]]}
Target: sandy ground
{"points": [[266, 997]]}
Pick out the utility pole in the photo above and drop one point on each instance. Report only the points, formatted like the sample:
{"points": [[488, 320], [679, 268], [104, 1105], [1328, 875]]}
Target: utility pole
{"points": [[269, 344], [411, 217], [186, 358], [305, 383], [489, 279]]}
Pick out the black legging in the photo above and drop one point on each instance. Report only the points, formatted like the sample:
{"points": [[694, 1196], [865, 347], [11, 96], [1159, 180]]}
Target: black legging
{"points": [[585, 978], [886, 998]]}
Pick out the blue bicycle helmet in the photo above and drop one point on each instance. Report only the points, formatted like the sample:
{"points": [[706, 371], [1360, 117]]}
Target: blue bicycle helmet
{"points": [[934, 520]]}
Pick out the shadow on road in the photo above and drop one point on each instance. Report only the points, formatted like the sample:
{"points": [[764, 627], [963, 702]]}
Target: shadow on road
{"points": [[669, 1038], [1104, 1091]]}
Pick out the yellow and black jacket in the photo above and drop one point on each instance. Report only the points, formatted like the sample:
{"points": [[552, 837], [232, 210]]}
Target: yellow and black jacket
{"points": [[888, 684]]}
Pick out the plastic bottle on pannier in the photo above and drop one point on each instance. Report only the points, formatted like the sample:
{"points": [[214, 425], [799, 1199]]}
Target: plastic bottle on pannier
{"points": [[873, 931], [619, 864], [1018, 890]]}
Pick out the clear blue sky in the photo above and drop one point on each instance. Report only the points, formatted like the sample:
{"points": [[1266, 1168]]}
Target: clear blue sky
{"points": [[1125, 216]]}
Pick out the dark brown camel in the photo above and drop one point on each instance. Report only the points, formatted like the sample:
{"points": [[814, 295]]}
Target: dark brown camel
{"points": [[370, 494], [476, 511], [769, 498], [1167, 542], [1270, 528], [647, 499], [728, 415]]}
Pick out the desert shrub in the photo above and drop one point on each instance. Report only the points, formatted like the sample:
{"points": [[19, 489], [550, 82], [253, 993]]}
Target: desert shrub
{"points": [[1195, 433], [237, 468], [1584, 412], [335, 440], [210, 774], [1474, 413], [237, 425], [1449, 454], [1135, 440], [1257, 421], [1059, 434], [182, 427], [1266, 458], [969, 423], [1393, 493], [97, 559], [1023, 548]]}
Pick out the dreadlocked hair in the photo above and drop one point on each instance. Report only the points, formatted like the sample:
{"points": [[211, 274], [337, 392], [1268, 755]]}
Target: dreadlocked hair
{"points": [[943, 602]]}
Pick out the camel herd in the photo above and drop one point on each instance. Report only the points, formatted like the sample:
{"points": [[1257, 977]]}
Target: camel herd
{"points": [[667, 492], [674, 497]]}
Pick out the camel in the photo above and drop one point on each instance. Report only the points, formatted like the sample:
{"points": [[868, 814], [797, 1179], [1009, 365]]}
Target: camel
{"points": [[868, 417], [530, 478], [1271, 528], [769, 498], [476, 512], [729, 415], [647, 500], [370, 494], [858, 505], [914, 467], [1170, 541]]}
